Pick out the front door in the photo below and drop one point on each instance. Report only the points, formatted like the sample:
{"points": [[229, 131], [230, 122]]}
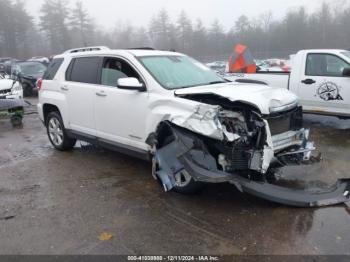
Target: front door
{"points": [[120, 114], [323, 88]]}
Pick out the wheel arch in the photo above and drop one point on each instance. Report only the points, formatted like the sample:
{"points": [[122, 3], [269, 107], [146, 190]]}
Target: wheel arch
{"points": [[49, 108], [163, 131]]}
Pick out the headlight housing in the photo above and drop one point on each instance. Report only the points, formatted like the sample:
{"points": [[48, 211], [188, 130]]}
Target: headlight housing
{"points": [[276, 107]]}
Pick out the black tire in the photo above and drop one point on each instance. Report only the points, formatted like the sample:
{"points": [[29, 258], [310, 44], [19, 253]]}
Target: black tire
{"points": [[57, 133], [191, 186]]}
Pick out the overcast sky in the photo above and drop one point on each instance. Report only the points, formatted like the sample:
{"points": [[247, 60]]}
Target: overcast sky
{"points": [[139, 12]]}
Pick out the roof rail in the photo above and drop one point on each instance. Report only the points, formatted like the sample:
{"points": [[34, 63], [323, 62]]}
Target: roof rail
{"points": [[86, 49], [141, 48]]}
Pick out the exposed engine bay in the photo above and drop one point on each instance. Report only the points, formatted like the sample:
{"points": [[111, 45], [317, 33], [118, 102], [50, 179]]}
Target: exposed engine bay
{"points": [[239, 146]]}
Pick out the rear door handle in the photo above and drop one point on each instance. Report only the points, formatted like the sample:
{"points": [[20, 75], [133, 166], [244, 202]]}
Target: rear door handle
{"points": [[308, 81], [64, 88], [101, 94]]}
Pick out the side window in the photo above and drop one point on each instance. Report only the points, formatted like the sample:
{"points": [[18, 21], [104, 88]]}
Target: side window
{"points": [[53, 68], [325, 65], [84, 70], [113, 69]]}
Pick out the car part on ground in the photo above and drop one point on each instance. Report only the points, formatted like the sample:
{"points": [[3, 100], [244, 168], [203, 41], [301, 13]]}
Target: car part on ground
{"points": [[12, 109]]}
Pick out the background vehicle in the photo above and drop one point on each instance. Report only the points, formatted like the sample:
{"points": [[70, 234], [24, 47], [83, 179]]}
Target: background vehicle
{"points": [[195, 126], [28, 74], [321, 79], [41, 59], [10, 88], [2, 63]]}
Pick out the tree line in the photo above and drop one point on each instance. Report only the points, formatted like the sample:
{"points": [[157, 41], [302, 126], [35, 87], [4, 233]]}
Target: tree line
{"points": [[59, 26]]}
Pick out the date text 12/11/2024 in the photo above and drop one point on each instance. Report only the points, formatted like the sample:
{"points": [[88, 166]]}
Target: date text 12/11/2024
{"points": [[173, 258]]}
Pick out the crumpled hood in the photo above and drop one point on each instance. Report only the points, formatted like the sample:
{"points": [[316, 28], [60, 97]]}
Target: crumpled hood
{"points": [[261, 96], [6, 84]]}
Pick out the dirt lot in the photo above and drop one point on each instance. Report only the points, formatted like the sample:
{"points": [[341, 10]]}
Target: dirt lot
{"points": [[60, 203]]}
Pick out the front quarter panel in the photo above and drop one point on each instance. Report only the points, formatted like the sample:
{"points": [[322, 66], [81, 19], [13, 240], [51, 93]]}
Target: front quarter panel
{"points": [[197, 117]]}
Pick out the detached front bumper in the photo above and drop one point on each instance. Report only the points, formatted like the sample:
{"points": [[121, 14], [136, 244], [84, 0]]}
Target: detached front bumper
{"points": [[188, 152]]}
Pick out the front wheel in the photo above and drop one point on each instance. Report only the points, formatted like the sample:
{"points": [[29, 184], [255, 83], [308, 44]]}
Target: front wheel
{"points": [[57, 133], [184, 182]]}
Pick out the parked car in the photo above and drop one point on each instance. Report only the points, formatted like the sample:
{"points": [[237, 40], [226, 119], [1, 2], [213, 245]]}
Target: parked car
{"points": [[10, 88], [28, 74], [41, 59], [194, 126], [218, 66], [2, 63], [321, 79]]}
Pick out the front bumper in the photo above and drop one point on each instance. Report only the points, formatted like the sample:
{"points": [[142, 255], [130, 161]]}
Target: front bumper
{"points": [[12, 94], [188, 152]]}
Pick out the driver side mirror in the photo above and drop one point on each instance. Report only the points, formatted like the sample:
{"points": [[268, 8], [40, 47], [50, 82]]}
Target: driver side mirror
{"points": [[346, 72], [131, 83]]}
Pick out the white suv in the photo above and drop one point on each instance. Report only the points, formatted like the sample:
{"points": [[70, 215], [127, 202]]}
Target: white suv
{"points": [[169, 108]]}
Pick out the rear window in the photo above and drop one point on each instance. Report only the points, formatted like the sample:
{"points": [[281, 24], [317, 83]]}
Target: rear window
{"points": [[84, 70], [53, 68]]}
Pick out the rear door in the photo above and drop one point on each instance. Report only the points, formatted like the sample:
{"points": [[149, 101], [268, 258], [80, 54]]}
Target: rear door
{"points": [[120, 114], [82, 77], [322, 87]]}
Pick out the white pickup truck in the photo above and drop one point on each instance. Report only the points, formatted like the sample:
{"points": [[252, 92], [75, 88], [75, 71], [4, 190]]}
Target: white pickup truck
{"points": [[320, 78]]}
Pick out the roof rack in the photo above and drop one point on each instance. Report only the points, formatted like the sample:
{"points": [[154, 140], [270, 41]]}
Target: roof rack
{"points": [[86, 49]]}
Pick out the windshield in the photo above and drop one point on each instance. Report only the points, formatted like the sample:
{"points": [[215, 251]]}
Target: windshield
{"points": [[32, 68], [175, 72], [347, 54]]}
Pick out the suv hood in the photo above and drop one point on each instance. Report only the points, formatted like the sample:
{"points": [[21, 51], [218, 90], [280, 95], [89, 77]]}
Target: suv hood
{"points": [[261, 96], [6, 84]]}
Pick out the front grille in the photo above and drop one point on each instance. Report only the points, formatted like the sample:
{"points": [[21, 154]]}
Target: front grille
{"points": [[286, 121], [6, 91]]}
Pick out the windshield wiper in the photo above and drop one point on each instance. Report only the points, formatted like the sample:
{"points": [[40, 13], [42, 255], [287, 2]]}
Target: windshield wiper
{"points": [[217, 82], [211, 83]]}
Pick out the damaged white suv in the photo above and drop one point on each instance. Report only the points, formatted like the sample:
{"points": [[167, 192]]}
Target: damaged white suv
{"points": [[195, 126]]}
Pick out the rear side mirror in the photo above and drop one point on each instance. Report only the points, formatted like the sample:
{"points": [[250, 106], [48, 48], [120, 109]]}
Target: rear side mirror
{"points": [[346, 72], [131, 83]]}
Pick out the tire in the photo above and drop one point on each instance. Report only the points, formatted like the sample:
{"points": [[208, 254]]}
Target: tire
{"points": [[57, 133], [185, 184]]}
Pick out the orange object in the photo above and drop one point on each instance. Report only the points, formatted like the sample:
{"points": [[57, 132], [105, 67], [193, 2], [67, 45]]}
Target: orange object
{"points": [[241, 60]]}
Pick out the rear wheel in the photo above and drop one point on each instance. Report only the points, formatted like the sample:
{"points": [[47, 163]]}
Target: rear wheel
{"points": [[57, 133], [184, 182]]}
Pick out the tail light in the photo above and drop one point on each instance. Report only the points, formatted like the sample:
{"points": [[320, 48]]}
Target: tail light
{"points": [[39, 84], [286, 69]]}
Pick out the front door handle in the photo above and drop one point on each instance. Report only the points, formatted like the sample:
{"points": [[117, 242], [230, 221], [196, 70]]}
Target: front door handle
{"points": [[101, 94], [308, 81], [64, 88]]}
